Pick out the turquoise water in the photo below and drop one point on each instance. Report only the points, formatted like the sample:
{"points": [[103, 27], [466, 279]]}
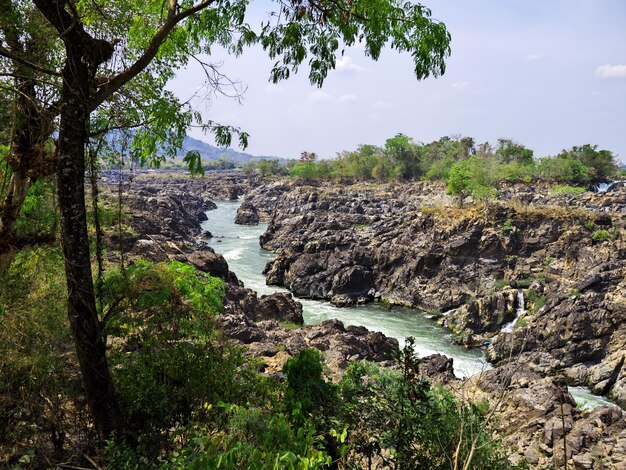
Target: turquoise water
{"points": [[239, 244]]}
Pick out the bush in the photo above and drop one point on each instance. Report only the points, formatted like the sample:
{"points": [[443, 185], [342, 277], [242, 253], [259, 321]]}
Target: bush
{"points": [[471, 177], [568, 191], [170, 358], [39, 391], [37, 215], [399, 417], [600, 236]]}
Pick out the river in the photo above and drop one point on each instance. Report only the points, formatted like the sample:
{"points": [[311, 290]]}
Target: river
{"points": [[239, 244]]}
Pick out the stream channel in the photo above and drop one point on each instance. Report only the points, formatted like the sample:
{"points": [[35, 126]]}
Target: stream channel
{"points": [[239, 244]]}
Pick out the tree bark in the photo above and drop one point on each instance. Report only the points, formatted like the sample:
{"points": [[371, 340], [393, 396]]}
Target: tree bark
{"points": [[82, 312]]}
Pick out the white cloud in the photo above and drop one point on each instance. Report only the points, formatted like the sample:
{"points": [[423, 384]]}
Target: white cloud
{"points": [[319, 96], [611, 71], [346, 64], [531, 57], [347, 98], [459, 85]]}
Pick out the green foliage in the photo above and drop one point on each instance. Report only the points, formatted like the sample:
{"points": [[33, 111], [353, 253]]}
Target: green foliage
{"points": [[406, 27], [399, 417], [163, 314], [600, 236], [403, 152], [471, 177], [508, 227], [568, 191], [265, 442], [501, 284], [512, 152], [567, 170], [573, 293], [38, 215], [600, 164], [467, 169], [193, 159], [271, 167], [306, 170], [36, 382], [307, 391]]}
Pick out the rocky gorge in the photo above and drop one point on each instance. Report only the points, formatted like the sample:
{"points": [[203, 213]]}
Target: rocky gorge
{"points": [[409, 244], [536, 276]]}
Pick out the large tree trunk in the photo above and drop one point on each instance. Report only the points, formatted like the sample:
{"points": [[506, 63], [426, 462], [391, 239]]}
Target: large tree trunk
{"points": [[82, 312]]}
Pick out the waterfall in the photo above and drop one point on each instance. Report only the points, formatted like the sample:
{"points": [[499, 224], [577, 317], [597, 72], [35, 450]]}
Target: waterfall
{"points": [[508, 327], [605, 186]]}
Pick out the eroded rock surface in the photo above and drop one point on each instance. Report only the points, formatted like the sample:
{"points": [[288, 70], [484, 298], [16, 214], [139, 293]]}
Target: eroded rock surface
{"points": [[482, 269], [247, 214]]}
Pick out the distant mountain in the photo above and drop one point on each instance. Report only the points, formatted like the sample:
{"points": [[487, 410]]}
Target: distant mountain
{"points": [[210, 152]]}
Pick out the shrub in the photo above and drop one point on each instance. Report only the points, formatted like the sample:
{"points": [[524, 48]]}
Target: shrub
{"points": [[600, 236], [400, 417], [307, 391], [37, 215], [39, 391], [471, 177], [170, 359], [568, 191]]}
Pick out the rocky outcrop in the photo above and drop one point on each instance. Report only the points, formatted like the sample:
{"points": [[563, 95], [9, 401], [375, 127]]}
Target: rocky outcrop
{"points": [[162, 212], [340, 345], [279, 306], [538, 421], [355, 244], [580, 332], [247, 214], [165, 216], [408, 244]]}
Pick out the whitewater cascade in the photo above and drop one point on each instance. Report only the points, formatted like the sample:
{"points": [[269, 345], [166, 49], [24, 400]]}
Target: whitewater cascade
{"points": [[519, 312]]}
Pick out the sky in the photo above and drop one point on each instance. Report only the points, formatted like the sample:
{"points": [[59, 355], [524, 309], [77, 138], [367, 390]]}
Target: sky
{"points": [[547, 74]]}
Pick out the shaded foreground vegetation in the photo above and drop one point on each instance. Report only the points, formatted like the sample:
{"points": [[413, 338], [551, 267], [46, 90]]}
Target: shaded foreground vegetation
{"points": [[192, 400]]}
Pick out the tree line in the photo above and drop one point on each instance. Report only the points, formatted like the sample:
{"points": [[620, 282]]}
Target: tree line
{"points": [[452, 159]]}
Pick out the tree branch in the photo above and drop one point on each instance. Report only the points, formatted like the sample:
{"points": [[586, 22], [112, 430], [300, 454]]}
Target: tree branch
{"points": [[151, 51], [4, 52]]}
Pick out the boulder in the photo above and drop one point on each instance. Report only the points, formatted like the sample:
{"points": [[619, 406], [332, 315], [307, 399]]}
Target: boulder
{"points": [[247, 214], [279, 306]]}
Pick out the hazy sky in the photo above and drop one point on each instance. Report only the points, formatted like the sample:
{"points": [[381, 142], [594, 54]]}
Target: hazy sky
{"points": [[548, 74]]}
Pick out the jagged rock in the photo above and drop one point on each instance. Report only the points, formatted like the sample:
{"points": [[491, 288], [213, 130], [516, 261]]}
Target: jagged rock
{"points": [[438, 368], [247, 214], [279, 306], [209, 262], [338, 243], [485, 315], [536, 414]]}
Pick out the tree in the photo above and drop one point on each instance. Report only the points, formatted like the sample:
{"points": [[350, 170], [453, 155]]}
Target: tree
{"points": [[108, 46], [601, 164], [402, 151], [308, 157], [27, 105], [471, 177], [510, 151]]}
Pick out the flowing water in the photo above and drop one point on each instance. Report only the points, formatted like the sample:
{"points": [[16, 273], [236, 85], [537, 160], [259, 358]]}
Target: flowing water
{"points": [[239, 244], [519, 312]]}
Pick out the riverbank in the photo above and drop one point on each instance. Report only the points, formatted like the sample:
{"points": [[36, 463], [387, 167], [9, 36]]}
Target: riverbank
{"points": [[477, 268], [594, 438]]}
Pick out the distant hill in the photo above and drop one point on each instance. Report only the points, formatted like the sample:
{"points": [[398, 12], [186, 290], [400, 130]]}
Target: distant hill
{"points": [[210, 152]]}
